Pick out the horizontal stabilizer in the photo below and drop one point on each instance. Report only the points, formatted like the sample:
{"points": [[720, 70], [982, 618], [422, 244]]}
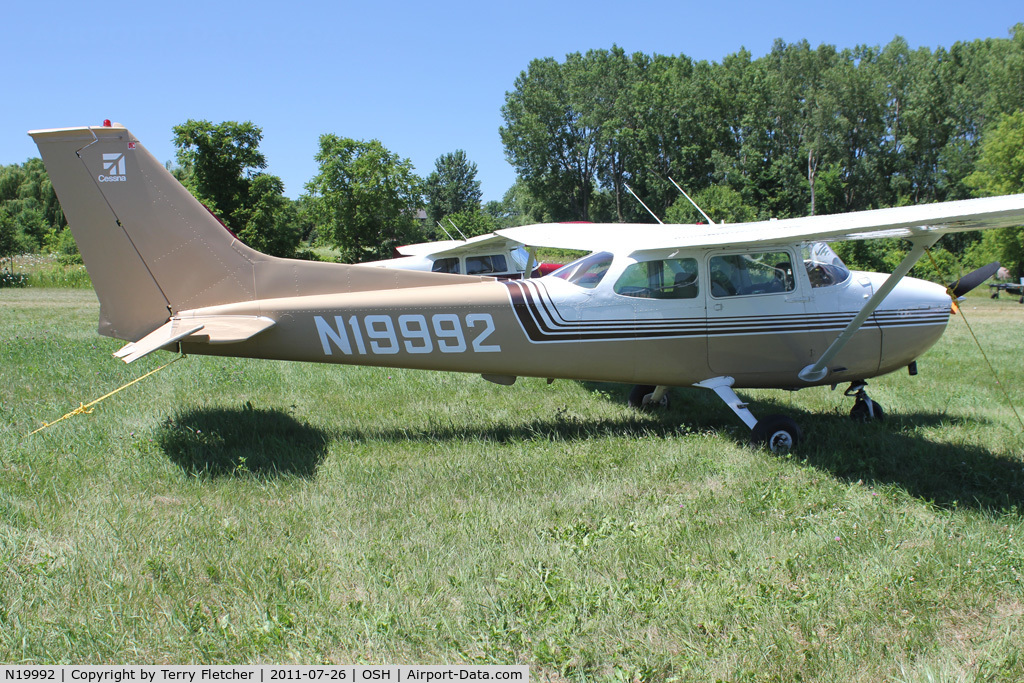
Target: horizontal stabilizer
{"points": [[158, 338], [215, 329]]}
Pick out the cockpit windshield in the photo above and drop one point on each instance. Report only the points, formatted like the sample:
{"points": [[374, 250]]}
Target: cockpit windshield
{"points": [[824, 267], [586, 272]]}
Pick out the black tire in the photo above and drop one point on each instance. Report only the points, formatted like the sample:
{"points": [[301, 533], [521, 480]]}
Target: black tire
{"points": [[860, 412], [778, 433], [636, 395]]}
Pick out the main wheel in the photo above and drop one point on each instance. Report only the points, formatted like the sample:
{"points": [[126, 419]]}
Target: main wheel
{"points": [[778, 433], [861, 413]]}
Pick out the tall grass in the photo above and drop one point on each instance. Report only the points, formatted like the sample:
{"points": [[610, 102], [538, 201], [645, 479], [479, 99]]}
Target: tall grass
{"points": [[48, 270], [241, 511]]}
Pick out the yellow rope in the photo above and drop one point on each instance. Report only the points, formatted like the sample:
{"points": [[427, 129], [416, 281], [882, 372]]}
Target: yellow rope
{"points": [[84, 408], [991, 368]]}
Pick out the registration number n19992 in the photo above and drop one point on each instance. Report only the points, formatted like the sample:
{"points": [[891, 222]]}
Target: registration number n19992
{"points": [[412, 333]]}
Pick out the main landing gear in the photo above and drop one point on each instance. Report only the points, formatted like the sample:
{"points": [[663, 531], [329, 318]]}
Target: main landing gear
{"points": [[646, 396], [779, 433]]}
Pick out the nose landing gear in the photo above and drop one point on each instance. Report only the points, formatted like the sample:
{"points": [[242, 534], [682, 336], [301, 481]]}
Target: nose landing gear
{"points": [[864, 409]]}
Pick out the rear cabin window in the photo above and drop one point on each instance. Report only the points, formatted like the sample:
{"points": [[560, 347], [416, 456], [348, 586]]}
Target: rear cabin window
{"points": [[445, 265], [751, 273], [667, 279], [482, 265]]}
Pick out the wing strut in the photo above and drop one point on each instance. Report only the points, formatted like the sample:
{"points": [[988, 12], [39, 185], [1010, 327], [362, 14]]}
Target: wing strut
{"points": [[819, 370]]}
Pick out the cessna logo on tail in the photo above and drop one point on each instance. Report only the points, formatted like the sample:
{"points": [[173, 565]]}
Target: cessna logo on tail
{"points": [[114, 164]]}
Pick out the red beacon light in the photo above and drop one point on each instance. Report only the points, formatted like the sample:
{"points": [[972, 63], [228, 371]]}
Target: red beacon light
{"points": [[106, 123]]}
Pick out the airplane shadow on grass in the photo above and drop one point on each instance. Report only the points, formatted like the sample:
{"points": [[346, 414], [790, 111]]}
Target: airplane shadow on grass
{"points": [[246, 441], [243, 441], [892, 452]]}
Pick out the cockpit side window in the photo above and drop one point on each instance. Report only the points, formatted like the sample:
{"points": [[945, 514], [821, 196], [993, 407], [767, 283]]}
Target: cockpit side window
{"points": [[662, 279], [751, 273], [586, 272]]}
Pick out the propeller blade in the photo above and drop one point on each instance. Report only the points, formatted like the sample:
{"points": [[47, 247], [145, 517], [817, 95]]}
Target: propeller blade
{"points": [[973, 279]]}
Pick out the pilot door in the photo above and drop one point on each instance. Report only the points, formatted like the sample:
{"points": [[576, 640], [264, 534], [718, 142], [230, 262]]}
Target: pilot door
{"points": [[664, 301], [758, 315]]}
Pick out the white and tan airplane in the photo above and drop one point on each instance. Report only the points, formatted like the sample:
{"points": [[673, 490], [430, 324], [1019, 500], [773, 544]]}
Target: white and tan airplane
{"points": [[763, 304]]}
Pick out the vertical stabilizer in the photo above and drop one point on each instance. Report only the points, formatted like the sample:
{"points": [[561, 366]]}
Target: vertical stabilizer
{"points": [[152, 250], [133, 223]]}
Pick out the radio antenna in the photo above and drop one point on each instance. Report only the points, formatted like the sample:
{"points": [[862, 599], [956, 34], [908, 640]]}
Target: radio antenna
{"points": [[464, 238], [446, 233], [692, 202], [630, 190]]}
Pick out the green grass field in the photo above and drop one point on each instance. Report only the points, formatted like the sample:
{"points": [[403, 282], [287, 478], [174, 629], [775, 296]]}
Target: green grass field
{"points": [[244, 511]]}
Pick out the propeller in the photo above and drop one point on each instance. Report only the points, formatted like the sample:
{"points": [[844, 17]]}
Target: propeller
{"points": [[973, 279]]}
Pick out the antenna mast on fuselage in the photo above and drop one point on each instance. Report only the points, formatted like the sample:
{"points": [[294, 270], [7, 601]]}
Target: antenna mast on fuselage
{"points": [[710, 222], [457, 229], [630, 190]]}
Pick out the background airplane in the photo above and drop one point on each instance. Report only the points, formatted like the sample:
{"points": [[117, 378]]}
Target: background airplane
{"points": [[491, 255], [764, 304]]}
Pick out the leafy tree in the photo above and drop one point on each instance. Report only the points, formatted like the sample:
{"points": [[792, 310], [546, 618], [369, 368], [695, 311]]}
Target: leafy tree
{"points": [[62, 243], [552, 137], [722, 203], [1005, 72], [28, 196], [219, 161], [471, 222], [8, 234], [1000, 170], [302, 216], [364, 198], [452, 187], [221, 166], [268, 226]]}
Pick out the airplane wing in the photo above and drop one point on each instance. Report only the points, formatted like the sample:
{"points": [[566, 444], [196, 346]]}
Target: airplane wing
{"points": [[452, 247], [428, 248], [904, 221], [212, 329]]}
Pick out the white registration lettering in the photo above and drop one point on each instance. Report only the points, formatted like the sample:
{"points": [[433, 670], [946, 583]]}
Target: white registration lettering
{"points": [[330, 334], [380, 328], [471, 320], [413, 333], [448, 330]]}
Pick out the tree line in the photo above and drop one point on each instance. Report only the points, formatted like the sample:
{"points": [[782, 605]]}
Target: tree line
{"points": [[800, 131]]}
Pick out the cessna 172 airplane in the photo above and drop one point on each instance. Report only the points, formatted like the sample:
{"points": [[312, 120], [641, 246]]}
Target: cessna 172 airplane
{"points": [[764, 304]]}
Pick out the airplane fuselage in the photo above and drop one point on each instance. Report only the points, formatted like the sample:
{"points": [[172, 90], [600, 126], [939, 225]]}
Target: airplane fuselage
{"points": [[553, 327]]}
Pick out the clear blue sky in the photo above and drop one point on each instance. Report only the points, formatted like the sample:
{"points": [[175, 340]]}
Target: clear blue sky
{"points": [[424, 78]]}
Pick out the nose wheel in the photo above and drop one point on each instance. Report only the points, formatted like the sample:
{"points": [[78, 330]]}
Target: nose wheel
{"points": [[864, 409]]}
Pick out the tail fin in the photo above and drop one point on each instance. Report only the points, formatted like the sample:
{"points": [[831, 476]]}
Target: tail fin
{"points": [[152, 250]]}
